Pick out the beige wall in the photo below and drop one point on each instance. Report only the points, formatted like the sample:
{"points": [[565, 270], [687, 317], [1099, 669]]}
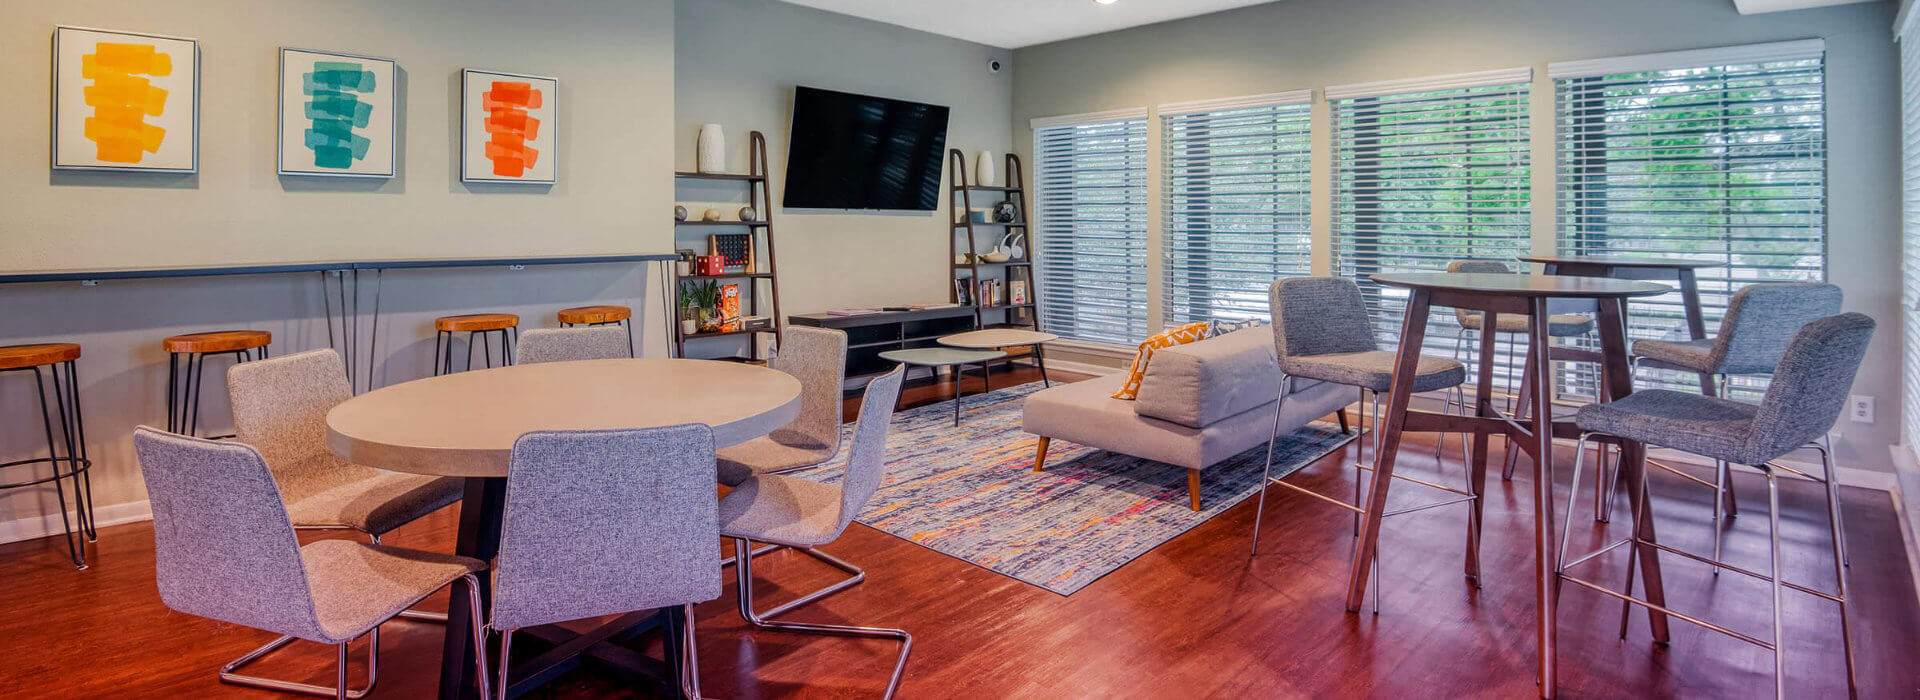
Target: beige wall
{"points": [[614, 59], [1301, 44], [737, 63]]}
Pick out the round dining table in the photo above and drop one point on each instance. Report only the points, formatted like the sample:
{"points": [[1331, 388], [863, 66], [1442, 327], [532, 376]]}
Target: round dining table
{"points": [[465, 425]]}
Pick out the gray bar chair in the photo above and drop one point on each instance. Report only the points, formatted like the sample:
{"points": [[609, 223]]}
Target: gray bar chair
{"points": [[603, 522], [1321, 332], [1761, 319], [568, 344], [1808, 391], [1558, 325], [225, 550], [280, 407], [803, 514]]}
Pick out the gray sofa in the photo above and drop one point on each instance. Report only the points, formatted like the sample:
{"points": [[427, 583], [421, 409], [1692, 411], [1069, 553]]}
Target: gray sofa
{"points": [[1199, 404]]}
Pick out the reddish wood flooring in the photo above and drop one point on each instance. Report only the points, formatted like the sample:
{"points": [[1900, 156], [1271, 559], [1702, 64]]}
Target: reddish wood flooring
{"points": [[1193, 618]]}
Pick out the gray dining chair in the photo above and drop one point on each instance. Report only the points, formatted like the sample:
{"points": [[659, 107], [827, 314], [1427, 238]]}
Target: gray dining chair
{"points": [[1809, 388], [224, 549], [804, 514], [1322, 333], [647, 498], [1753, 335], [1558, 325], [280, 407], [818, 358], [567, 344]]}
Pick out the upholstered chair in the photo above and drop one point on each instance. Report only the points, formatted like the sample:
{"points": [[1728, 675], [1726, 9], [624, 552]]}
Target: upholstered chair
{"points": [[602, 522], [1809, 389], [280, 407], [1761, 319], [1321, 332], [224, 549], [818, 358], [565, 344], [804, 514]]}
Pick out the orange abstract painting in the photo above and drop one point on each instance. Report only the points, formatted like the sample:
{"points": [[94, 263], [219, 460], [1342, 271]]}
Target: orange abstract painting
{"points": [[510, 127], [123, 97]]}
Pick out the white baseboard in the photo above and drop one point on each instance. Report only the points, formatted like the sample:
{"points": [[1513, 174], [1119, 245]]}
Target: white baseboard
{"points": [[49, 525], [1905, 464]]}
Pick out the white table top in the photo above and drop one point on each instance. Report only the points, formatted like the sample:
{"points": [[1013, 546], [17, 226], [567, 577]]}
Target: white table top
{"points": [[997, 338], [941, 357], [465, 424]]}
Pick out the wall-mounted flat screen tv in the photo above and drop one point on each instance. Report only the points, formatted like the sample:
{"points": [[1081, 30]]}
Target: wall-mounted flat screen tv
{"points": [[850, 151]]}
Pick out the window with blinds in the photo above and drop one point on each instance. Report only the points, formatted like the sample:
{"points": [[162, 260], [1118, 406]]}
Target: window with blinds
{"points": [[1716, 155], [1910, 234], [1426, 172], [1091, 200], [1237, 189]]}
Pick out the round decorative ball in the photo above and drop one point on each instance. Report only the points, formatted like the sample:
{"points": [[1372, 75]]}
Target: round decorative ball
{"points": [[748, 214], [710, 215], [679, 213]]}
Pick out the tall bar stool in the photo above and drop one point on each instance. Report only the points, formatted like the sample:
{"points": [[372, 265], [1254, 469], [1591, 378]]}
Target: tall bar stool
{"points": [[608, 315], [1760, 320], [481, 325], [1809, 389], [70, 449], [186, 370]]}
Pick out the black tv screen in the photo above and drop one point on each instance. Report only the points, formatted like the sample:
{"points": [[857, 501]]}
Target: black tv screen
{"points": [[850, 151]]}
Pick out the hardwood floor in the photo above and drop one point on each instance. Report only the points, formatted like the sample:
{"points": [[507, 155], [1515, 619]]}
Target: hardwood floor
{"points": [[1192, 618]]}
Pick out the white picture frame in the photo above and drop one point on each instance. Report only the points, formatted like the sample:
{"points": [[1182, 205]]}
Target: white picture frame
{"points": [[149, 88], [334, 123], [490, 149]]}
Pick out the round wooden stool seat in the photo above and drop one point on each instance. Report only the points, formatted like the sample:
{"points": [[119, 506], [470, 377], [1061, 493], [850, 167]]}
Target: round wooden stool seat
{"points": [[475, 322], [23, 356], [217, 341], [595, 314]]}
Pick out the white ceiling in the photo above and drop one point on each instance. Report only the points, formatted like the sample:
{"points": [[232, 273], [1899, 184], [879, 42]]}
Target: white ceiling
{"points": [[1015, 23], [1756, 7]]}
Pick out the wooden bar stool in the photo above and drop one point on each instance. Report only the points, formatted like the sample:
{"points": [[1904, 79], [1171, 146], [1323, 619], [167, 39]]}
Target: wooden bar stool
{"points": [[601, 316], [483, 325], [186, 370], [67, 454]]}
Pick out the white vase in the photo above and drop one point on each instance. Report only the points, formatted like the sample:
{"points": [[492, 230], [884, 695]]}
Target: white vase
{"points": [[711, 155], [983, 171]]}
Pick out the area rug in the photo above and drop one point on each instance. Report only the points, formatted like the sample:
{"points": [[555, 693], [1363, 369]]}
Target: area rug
{"points": [[970, 492]]}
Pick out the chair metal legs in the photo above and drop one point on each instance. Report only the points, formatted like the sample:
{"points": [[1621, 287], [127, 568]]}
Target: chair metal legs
{"points": [[1775, 563], [229, 673], [743, 580], [854, 577]]}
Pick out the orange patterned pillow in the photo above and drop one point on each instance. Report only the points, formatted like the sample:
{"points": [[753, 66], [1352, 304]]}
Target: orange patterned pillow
{"points": [[1165, 339]]}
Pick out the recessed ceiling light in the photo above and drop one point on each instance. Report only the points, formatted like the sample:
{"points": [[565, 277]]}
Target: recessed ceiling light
{"points": [[1106, 2]]}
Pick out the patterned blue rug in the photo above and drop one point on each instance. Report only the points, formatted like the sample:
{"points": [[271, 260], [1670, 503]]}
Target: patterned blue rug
{"points": [[970, 492]]}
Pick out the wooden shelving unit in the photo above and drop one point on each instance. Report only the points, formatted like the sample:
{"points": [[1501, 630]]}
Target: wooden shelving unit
{"points": [[760, 197], [963, 231]]}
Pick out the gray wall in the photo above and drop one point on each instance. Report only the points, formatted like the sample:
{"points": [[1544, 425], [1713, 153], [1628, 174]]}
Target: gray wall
{"points": [[1299, 44], [737, 63], [613, 57]]}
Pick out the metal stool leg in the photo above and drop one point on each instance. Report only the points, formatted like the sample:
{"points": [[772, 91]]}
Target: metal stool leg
{"points": [[76, 546], [1266, 476], [1773, 570], [1839, 561]]}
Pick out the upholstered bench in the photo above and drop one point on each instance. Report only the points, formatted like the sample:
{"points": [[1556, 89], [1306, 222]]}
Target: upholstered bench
{"points": [[1199, 404]]}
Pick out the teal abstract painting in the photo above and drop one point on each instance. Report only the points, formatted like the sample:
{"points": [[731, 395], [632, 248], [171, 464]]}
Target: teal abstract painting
{"points": [[336, 114]]}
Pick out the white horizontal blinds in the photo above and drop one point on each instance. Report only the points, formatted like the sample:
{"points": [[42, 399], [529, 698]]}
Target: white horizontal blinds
{"points": [[1424, 173], [1910, 235], [1715, 155], [1091, 200], [1237, 187]]}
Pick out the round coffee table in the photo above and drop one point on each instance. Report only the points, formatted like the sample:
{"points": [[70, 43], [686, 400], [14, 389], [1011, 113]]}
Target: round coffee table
{"points": [[997, 338], [955, 358], [465, 425]]}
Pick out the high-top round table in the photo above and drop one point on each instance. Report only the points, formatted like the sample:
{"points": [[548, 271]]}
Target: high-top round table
{"points": [[1530, 296], [465, 424]]}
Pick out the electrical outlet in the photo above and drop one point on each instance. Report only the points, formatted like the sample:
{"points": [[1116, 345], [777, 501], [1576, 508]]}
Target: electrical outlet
{"points": [[1860, 408]]}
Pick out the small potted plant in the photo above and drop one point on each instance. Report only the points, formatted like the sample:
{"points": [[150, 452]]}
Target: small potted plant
{"points": [[700, 304]]}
